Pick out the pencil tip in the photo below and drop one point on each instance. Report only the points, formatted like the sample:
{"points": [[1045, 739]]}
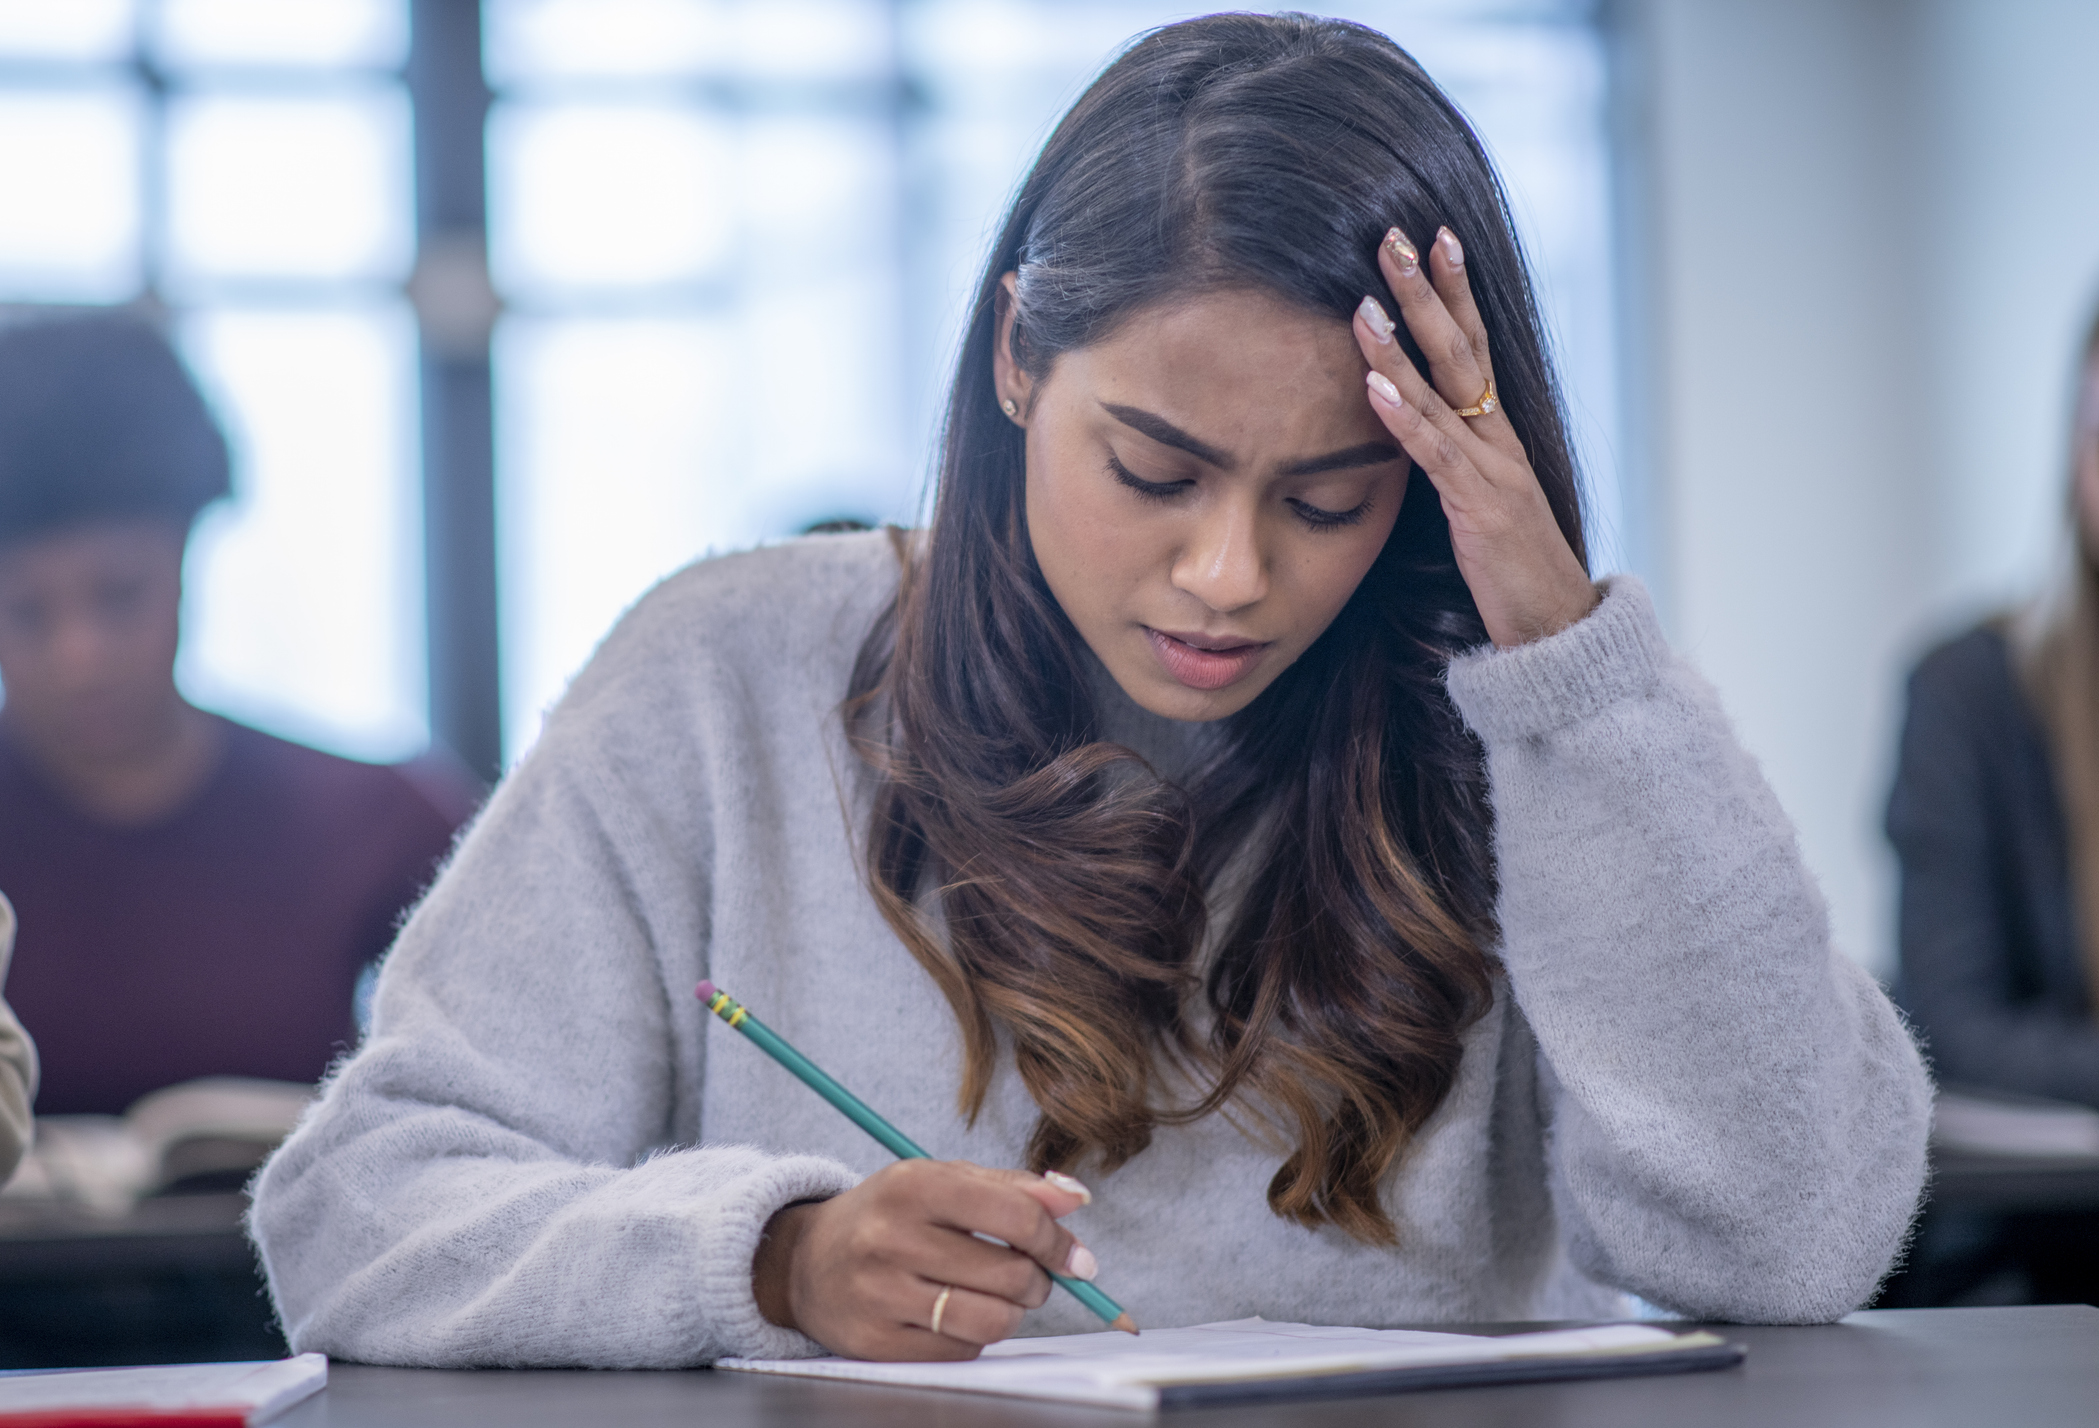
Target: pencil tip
{"points": [[1125, 1323]]}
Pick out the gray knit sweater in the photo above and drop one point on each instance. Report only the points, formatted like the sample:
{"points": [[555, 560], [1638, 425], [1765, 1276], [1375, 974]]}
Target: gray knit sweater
{"points": [[547, 1153]]}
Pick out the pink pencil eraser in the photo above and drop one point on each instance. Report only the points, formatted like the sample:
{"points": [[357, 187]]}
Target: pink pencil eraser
{"points": [[704, 991]]}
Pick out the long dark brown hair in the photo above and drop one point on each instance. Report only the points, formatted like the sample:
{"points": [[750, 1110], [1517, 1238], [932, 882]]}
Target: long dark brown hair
{"points": [[1054, 885]]}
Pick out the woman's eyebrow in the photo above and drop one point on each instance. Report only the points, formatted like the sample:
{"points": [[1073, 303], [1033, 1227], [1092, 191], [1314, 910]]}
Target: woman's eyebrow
{"points": [[1159, 429], [1370, 453], [1164, 432]]}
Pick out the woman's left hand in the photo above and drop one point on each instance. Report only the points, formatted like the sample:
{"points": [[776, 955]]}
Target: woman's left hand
{"points": [[1522, 573]]}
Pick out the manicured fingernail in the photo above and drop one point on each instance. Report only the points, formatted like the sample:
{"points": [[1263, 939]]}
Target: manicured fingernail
{"points": [[1382, 386], [1070, 1187], [1402, 251], [1453, 254], [1082, 1264], [1374, 318]]}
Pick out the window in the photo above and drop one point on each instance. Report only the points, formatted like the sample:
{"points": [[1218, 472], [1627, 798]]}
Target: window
{"points": [[244, 164]]}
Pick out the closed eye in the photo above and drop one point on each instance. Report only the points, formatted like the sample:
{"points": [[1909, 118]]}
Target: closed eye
{"points": [[1150, 490], [1319, 518]]}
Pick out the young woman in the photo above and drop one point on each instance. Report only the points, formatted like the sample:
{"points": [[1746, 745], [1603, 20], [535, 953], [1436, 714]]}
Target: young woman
{"points": [[1241, 798], [1995, 815]]}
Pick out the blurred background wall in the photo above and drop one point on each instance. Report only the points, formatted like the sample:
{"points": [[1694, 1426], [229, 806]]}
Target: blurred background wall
{"points": [[510, 308]]}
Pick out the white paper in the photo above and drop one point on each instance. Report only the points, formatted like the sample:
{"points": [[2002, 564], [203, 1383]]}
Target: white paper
{"points": [[261, 1390], [1117, 1370]]}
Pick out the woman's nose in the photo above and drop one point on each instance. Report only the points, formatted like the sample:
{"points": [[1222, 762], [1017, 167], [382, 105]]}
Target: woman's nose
{"points": [[1222, 564]]}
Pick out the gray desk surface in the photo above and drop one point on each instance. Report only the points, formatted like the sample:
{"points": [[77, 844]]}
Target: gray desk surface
{"points": [[1917, 1368]]}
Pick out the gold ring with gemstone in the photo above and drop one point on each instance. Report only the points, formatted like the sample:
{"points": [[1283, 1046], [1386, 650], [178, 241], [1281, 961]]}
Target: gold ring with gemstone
{"points": [[1488, 402]]}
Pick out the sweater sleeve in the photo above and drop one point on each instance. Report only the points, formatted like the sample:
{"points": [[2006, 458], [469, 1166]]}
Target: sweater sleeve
{"points": [[17, 1063], [1738, 1116], [1952, 818], [486, 1182]]}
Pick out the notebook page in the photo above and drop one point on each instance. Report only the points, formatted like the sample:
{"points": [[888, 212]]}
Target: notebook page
{"points": [[257, 1391], [1117, 1370]]}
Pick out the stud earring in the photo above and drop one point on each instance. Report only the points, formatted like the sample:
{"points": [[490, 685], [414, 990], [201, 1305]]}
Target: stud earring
{"points": [[1010, 407]]}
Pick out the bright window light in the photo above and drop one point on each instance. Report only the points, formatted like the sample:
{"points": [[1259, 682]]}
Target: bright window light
{"points": [[337, 33], [290, 188], [626, 196], [817, 413], [89, 31], [804, 40], [69, 194], [543, 39], [610, 436], [304, 612], [811, 187], [534, 41]]}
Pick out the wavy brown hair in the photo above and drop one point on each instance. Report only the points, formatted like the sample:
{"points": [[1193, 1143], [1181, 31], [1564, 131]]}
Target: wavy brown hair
{"points": [[1055, 886]]}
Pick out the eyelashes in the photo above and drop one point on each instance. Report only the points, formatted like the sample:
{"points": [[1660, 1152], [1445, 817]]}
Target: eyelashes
{"points": [[1150, 490], [1316, 517], [1319, 518]]}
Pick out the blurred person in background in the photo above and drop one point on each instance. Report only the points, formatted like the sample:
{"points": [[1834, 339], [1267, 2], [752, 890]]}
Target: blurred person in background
{"points": [[1995, 819], [196, 897]]}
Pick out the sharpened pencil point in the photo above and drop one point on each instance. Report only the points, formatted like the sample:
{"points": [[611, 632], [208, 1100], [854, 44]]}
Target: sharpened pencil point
{"points": [[1125, 1323]]}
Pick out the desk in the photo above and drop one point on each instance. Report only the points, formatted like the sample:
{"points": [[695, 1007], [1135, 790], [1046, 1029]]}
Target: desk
{"points": [[171, 1280], [2003, 1227], [2014, 1184], [1903, 1368]]}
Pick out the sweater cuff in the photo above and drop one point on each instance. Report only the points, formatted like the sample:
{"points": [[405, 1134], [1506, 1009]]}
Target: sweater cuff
{"points": [[728, 1243], [1615, 653]]}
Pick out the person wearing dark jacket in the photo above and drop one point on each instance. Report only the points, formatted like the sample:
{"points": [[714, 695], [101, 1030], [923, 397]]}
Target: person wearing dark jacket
{"points": [[1995, 819]]}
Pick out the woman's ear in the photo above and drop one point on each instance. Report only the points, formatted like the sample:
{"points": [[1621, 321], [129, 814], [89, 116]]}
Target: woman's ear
{"points": [[1011, 385]]}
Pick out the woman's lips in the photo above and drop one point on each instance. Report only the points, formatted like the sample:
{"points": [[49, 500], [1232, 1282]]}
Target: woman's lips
{"points": [[1210, 664]]}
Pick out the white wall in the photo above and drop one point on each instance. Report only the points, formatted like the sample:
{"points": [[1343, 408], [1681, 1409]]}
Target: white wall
{"points": [[2008, 227], [1861, 236]]}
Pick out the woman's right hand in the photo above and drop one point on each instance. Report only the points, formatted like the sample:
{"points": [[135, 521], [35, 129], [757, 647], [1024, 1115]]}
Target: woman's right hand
{"points": [[862, 1273]]}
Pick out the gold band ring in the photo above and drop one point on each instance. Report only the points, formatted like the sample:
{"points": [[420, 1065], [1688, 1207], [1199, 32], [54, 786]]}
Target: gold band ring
{"points": [[1488, 402], [940, 1305]]}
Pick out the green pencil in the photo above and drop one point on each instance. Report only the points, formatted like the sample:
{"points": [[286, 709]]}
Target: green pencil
{"points": [[862, 1115]]}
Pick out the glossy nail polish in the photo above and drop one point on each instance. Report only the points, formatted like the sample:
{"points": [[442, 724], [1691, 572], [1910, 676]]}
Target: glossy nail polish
{"points": [[1453, 252], [1373, 315], [1070, 1187], [1401, 250], [1382, 385], [1082, 1264]]}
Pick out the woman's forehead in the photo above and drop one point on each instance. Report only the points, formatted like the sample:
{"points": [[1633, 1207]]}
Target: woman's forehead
{"points": [[1240, 368]]}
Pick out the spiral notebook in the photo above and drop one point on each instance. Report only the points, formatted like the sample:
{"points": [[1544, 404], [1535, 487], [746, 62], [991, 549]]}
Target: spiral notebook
{"points": [[1249, 1360]]}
